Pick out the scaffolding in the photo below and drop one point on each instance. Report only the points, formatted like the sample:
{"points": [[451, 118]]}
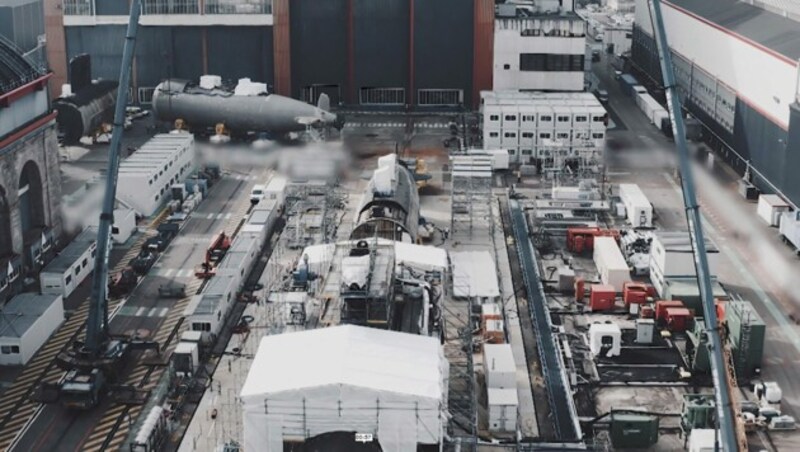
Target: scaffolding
{"points": [[471, 208]]}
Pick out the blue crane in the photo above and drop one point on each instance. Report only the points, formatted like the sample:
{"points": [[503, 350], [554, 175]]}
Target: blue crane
{"points": [[727, 414]]}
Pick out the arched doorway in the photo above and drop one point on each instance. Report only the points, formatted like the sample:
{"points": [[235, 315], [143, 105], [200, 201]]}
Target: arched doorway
{"points": [[31, 205], [6, 243]]}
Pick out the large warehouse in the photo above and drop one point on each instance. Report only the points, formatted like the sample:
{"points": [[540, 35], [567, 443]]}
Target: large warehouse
{"points": [[737, 71], [359, 52]]}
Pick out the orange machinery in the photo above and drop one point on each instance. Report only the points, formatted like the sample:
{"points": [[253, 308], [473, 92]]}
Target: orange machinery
{"points": [[216, 250], [582, 239]]}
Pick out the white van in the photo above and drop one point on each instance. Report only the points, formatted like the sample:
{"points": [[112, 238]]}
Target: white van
{"points": [[257, 194]]}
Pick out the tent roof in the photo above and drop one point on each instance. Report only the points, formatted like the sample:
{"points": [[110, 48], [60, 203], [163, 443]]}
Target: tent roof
{"points": [[474, 274], [350, 355]]}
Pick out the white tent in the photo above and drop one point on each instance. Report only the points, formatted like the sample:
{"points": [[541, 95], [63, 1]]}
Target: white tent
{"points": [[474, 275], [346, 378]]}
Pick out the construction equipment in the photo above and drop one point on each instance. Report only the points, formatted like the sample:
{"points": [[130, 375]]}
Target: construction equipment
{"points": [[95, 363], [582, 239], [122, 283], [216, 250], [729, 419]]}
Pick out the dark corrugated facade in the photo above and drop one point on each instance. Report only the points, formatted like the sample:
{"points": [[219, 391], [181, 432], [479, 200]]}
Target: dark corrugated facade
{"points": [[340, 47], [771, 150]]}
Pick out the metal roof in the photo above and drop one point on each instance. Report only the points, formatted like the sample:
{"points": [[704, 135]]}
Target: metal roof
{"points": [[66, 258], [771, 30], [23, 311]]}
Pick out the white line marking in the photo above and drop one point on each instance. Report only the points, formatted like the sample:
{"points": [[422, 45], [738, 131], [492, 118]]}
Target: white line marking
{"points": [[140, 311], [169, 272]]}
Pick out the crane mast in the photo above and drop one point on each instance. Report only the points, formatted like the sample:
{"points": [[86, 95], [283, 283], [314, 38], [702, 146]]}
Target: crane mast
{"points": [[726, 412]]}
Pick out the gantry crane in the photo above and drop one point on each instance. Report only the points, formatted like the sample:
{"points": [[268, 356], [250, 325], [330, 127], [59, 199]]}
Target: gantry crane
{"points": [[95, 362], [731, 428]]}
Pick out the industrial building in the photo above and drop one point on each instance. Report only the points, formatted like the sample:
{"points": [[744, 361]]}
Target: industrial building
{"points": [[390, 385], [737, 68], [536, 127], [539, 46], [30, 182], [72, 265], [358, 52], [22, 23]]}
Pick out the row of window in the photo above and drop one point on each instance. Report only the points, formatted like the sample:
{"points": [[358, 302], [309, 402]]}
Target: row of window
{"points": [[172, 181], [549, 135], [548, 118], [9, 349], [550, 62]]}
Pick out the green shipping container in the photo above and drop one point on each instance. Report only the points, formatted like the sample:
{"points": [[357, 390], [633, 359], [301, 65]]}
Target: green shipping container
{"points": [[686, 290], [747, 332], [633, 431]]}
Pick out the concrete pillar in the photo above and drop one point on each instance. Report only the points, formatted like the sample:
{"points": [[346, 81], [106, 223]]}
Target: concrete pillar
{"points": [[56, 49], [482, 49], [281, 41]]}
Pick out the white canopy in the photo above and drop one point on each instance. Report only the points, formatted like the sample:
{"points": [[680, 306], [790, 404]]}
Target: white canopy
{"points": [[474, 274], [420, 256], [345, 378]]}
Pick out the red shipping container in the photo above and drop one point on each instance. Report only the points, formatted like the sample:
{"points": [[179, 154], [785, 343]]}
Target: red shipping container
{"points": [[678, 319], [634, 293], [663, 305], [602, 297]]}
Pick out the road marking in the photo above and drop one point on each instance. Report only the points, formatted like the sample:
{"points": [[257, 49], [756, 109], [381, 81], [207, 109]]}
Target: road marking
{"points": [[228, 216], [140, 311], [210, 216], [169, 272], [163, 312]]}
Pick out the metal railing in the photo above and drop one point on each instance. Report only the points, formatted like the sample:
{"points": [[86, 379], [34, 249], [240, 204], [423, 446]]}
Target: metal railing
{"points": [[238, 7], [152, 7], [170, 7], [78, 7]]}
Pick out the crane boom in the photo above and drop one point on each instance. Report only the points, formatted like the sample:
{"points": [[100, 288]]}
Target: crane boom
{"points": [[97, 324], [726, 416]]}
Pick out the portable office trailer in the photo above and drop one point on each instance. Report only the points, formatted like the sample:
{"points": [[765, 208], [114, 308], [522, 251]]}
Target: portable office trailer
{"points": [[510, 117], [563, 117], [610, 264], [671, 255], [145, 178], [638, 209], [491, 138], [527, 117], [25, 324], [261, 221], [510, 139], [123, 227], [185, 359], [599, 118], [491, 117], [239, 259], [276, 190], [207, 312], [770, 208], [72, 265]]}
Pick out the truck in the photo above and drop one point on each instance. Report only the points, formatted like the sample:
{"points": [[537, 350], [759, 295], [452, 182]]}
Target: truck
{"points": [[257, 193]]}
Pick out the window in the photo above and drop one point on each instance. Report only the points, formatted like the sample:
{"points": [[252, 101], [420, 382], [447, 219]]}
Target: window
{"points": [[580, 119], [9, 349], [114, 230], [562, 135], [77, 270], [546, 118], [506, 66], [511, 117], [94, 253], [598, 118], [527, 152], [451, 97], [382, 96], [494, 117], [85, 263], [511, 152], [68, 279], [597, 136], [494, 134], [541, 62], [563, 118], [527, 134], [510, 134], [545, 135], [201, 326]]}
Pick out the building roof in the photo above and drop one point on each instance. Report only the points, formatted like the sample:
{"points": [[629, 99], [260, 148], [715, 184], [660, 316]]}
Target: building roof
{"points": [[349, 355], [73, 251], [23, 311], [15, 69], [763, 27]]}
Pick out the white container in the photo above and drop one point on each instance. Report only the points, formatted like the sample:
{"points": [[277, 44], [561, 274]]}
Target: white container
{"points": [[637, 207], [276, 190], [185, 358], [659, 116], [789, 228], [499, 366], [145, 178], [503, 406], [500, 158], [123, 227], [599, 333], [239, 258], [206, 313], [610, 263], [671, 255], [702, 440], [72, 265], [29, 319], [645, 329], [771, 207]]}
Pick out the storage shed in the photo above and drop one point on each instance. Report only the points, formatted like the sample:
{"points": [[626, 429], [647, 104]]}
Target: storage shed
{"points": [[392, 385], [25, 324], [499, 367], [72, 265], [612, 267]]}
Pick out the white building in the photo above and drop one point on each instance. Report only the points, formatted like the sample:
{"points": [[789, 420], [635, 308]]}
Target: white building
{"points": [[72, 265], [622, 6], [617, 39], [384, 383], [25, 324], [146, 176], [539, 46], [538, 126]]}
